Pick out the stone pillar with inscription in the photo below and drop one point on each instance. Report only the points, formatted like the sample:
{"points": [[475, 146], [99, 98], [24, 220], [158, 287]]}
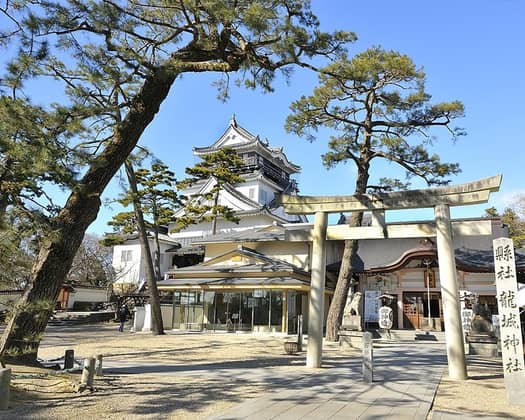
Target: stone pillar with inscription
{"points": [[316, 308], [509, 320], [368, 358]]}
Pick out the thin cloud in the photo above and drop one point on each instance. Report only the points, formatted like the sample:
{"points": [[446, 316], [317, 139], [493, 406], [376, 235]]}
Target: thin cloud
{"points": [[507, 199]]}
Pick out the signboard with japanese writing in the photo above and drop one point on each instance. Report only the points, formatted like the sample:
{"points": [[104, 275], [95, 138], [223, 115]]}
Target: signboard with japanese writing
{"points": [[430, 278], [372, 304], [466, 319], [509, 320]]}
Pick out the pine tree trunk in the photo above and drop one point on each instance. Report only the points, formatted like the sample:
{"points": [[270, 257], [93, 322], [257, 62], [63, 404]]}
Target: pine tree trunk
{"points": [[28, 320], [156, 316], [214, 220], [335, 312], [337, 306], [156, 262]]}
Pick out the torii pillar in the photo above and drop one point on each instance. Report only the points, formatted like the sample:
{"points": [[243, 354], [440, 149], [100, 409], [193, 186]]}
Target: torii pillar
{"points": [[316, 302], [457, 366]]}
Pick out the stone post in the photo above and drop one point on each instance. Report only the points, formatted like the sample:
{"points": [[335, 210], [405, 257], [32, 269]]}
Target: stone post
{"points": [[300, 332], [457, 367], [5, 380], [88, 372], [368, 358], [98, 365], [317, 285], [69, 359], [147, 318]]}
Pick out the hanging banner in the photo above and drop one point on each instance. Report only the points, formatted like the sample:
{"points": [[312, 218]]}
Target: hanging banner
{"points": [[509, 320]]}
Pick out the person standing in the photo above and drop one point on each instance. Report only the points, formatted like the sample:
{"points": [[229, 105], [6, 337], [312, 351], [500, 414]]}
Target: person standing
{"points": [[123, 314]]}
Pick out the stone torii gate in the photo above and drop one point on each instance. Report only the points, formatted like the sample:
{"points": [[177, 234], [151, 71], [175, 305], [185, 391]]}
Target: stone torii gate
{"points": [[440, 199]]}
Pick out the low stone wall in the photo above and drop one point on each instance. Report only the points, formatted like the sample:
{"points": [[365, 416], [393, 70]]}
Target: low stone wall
{"points": [[82, 317], [353, 339], [483, 345]]}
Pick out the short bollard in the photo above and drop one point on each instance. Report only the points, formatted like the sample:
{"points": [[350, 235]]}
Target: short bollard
{"points": [[368, 358], [88, 372], [5, 380], [98, 366], [69, 359]]}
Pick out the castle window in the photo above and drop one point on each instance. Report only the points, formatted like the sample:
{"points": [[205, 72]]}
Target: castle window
{"points": [[126, 256]]}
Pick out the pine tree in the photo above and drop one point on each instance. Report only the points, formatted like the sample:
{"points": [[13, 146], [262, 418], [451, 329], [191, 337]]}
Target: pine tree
{"points": [[377, 106], [35, 151], [223, 168], [154, 199], [514, 217], [116, 63]]}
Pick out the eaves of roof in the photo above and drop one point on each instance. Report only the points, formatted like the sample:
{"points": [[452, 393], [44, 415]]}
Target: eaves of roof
{"points": [[467, 260], [249, 235], [233, 281]]}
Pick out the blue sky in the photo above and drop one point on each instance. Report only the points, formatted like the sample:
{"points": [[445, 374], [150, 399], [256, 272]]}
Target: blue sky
{"points": [[471, 51]]}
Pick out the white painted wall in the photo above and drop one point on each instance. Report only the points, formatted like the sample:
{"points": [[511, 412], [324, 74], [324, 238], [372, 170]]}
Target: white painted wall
{"points": [[129, 272], [204, 229], [258, 190], [133, 272], [249, 189], [87, 294]]}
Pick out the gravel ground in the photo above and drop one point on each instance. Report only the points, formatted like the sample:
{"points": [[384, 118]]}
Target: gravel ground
{"points": [[483, 394], [191, 394], [186, 391]]}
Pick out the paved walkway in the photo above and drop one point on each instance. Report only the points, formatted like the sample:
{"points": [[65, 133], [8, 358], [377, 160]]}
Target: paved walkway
{"points": [[443, 415], [406, 377]]}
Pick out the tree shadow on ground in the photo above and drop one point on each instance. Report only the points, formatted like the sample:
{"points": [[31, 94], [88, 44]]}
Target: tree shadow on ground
{"points": [[178, 389], [247, 364]]}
